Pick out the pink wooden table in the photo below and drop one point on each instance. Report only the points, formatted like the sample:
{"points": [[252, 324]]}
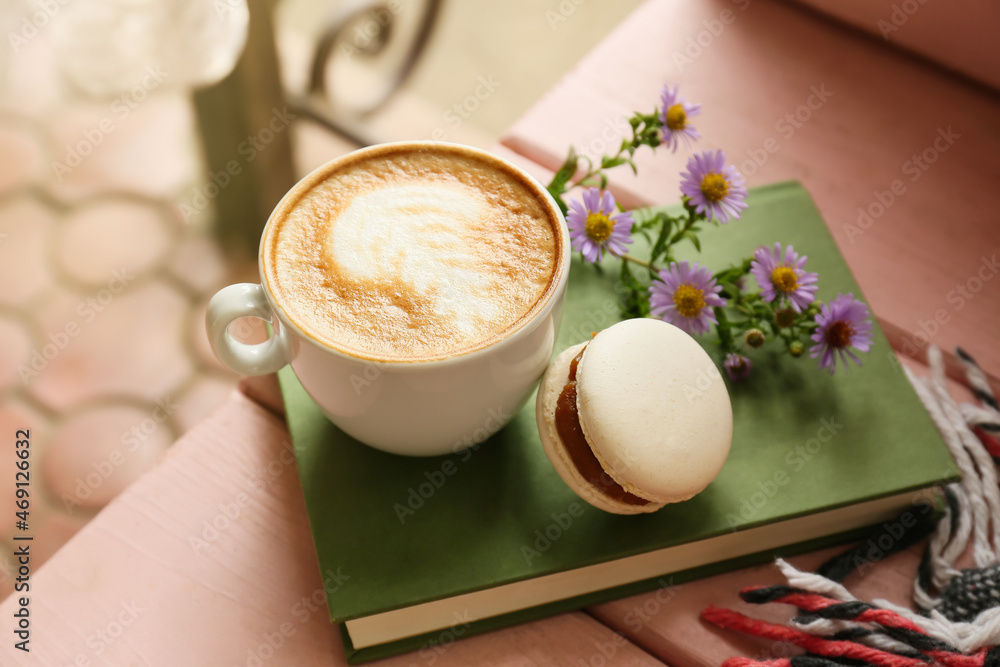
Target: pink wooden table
{"points": [[207, 560]]}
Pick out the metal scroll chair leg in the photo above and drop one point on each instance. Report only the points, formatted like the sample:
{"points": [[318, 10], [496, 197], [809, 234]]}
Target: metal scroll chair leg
{"points": [[364, 33]]}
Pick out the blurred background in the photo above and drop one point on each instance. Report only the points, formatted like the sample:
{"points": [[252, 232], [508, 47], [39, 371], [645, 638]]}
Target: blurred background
{"points": [[142, 146]]}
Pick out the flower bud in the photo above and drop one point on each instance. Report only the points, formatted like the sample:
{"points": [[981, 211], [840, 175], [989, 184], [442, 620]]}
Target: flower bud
{"points": [[754, 338], [784, 318], [796, 348]]}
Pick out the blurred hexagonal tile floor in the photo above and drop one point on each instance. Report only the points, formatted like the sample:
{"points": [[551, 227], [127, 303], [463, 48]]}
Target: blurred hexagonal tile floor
{"points": [[103, 353]]}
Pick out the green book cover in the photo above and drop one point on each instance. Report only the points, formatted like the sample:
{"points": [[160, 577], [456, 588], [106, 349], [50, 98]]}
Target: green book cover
{"points": [[402, 531]]}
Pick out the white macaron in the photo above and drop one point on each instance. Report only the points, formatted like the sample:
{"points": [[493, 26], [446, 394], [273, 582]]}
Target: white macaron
{"points": [[652, 422]]}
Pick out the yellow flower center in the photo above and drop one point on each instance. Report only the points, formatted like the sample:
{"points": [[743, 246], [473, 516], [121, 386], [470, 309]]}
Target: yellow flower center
{"points": [[714, 187], [784, 279], [599, 227], [840, 334], [690, 300], [676, 117]]}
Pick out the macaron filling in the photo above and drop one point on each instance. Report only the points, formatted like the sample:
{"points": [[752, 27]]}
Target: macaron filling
{"points": [[567, 418]]}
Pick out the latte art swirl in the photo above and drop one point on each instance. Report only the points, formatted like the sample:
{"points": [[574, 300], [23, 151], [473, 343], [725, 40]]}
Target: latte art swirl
{"points": [[420, 236], [413, 253]]}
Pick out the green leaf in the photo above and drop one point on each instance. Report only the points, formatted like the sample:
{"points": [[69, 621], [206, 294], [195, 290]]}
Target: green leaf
{"points": [[691, 236], [635, 300], [729, 291], [608, 162], [566, 171], [730, 274], [557, 186], [661, 240]]}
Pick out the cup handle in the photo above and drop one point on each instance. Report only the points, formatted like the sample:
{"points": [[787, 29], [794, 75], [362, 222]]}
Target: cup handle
{"points": [[245, 300]]}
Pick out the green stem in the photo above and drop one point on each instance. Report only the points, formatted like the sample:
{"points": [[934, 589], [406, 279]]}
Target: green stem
{"points": [[722, 325], [595, 171], [680, 234], [580, 181], [635, 260]]}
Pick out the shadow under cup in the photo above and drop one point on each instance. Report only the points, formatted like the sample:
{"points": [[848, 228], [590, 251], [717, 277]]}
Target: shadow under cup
{"points": [[414, 407]]}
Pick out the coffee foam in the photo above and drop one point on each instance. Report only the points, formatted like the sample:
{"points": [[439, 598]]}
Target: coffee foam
{"points": [[412, 254], [416, 234]]}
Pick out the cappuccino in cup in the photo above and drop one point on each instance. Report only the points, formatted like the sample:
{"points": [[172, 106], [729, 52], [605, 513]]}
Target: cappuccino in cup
{"points": [[412, 253], [414, 288]]}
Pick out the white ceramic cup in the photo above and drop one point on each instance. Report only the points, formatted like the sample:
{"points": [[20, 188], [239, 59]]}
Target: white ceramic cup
{"points": [[415, 408]]}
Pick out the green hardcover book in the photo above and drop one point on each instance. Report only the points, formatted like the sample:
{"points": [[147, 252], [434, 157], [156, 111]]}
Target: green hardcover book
{"points": [[431, 549]]}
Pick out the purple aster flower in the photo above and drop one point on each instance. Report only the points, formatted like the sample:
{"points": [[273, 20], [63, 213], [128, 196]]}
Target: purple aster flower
{"points": [[674, 116], [594, 226], [843, 324], [782, 277], [684, 296], [737, 366], [715, 189]]}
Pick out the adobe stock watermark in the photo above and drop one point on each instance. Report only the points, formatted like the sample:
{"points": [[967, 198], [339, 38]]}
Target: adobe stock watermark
{"points": [[635, 619], [246, 152], [271, 642], [430, 651], [130, 441], [87, 311], [422, 491], [600, 317], [551, 533], [900, 15], [605, 140], [884, 544], [778, 650], [914, 169], [711, 30], [258, 481], [103, 638], [369, 375], [641, 614], [562, 12], [796, 458], [459, 112], [120, 109], [595, 320], [708, 376], [786, 127], [605, 651], [31, 24], [956, 299]]}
